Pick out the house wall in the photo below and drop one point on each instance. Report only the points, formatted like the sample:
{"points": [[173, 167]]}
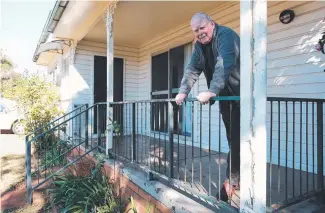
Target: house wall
{"points": [[295, 69], [84, 67]]}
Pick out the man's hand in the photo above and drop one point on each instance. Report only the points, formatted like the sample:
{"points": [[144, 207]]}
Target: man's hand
{"points": [[204, 97], [180, 98]]}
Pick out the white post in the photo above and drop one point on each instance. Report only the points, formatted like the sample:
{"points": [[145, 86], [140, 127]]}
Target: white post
{"points": [[253, 34], [110, 70]]}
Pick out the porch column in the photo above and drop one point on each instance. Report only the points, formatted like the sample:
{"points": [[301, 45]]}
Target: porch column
{"points": [[253, 34], [110, 70]]}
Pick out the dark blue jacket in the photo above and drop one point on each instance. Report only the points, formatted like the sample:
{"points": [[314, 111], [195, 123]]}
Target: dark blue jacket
{"points": [[226, 74]]}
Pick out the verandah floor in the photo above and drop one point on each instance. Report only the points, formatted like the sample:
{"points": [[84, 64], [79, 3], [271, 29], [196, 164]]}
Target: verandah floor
{"points": [[282, 187]]}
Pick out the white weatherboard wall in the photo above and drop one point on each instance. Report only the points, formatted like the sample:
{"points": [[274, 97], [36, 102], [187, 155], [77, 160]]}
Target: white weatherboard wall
{"points": [[295, 69], [84, 65]]}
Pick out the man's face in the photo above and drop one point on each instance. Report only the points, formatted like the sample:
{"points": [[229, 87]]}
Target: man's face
{"points": [[203, 30]]}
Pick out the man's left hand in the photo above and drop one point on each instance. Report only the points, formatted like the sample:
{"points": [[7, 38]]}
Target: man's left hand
{"points": [[204, 97]]}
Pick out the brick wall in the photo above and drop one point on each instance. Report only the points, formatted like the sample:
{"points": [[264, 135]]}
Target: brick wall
{"points": [[125, 188]]}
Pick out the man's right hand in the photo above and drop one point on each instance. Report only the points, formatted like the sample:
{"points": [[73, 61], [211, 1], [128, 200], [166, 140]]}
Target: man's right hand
{"points": [[180, 98]]}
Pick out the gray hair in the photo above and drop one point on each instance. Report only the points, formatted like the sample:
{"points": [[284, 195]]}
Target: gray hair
{"points": [[201, 16]]}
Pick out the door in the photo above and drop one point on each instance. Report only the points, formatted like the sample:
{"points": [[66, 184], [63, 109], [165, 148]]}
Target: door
{"points": [[100, 87], [118, 90]]}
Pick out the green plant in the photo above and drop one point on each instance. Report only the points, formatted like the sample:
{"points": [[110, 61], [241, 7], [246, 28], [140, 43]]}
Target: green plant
{"points": [[38, 99], [91, 193], [134, 208], [115, 126], [55, 153]]}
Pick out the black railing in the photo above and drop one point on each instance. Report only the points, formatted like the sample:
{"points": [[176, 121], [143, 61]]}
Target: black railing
{"points": [[58, 145], [295, 149], [184, 145], [187, 145]]}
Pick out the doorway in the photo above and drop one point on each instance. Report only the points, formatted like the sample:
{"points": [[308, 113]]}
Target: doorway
{"points": [[100, 87]]}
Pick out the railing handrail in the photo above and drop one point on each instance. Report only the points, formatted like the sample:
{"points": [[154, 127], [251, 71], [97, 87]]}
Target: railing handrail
{"points": [[39, 135], [66, 114], [221, 98], [295, 99]]}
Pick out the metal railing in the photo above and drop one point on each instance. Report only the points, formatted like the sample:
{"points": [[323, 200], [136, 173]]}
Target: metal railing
{"points": [[187, 146], [295, 150], [53, 148]]}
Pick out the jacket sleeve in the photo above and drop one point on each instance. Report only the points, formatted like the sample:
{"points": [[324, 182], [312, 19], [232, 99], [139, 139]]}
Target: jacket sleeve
{"points": [[225, 61], [191, 73]]}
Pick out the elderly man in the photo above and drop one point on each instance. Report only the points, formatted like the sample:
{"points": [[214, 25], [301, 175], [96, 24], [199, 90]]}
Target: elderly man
{"points": [[216, 53]]}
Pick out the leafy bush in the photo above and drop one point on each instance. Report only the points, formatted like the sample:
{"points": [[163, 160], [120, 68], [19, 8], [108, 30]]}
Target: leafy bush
{"points": [[91, 193], [37, 98]]}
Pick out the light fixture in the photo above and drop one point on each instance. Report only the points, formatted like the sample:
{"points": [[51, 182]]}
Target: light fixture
{"points": [[286, 16]]}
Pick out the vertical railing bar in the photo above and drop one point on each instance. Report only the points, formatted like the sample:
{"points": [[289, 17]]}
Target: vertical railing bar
{"points": [[185, 159], [154, 135], [91, 126], [133, 134], [313, 141], [279, 146], [230, 147], [307, 174], [165, 135], [219, 149], [320, 154], [86, 127], [209, 149], [178, 130], [137, 132], [171, 139], [159, 124], [28, 170], [52, 164], [98, 127], [293, 148], [79, 123], [192, 106], [300, 150], [45, 144], [271, 147], [286, 177], [121, 134], [141, 117], [124, 130], [147, 150], [200, 143]]}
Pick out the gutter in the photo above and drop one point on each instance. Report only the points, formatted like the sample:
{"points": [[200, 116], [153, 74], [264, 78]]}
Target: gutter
{"points": [[51, 23]]}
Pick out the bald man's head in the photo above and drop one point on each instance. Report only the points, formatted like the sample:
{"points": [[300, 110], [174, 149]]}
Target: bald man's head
{"points": [[202, 27]]}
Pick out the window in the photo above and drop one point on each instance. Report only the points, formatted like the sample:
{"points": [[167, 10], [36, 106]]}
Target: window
{"points": [[176, 58]]}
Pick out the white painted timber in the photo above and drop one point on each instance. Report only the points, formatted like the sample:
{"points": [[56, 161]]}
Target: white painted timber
{"points": [[253, 102]]}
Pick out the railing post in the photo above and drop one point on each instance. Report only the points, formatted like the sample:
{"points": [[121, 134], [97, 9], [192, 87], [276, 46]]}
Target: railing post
{"points": [[109, 122], [86, 127], [170, 146], [98, 126], [320, 154], [29, 171], [133, 134]]}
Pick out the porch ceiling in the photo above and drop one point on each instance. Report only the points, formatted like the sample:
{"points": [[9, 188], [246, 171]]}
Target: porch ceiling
{"points": [[137, 22]]}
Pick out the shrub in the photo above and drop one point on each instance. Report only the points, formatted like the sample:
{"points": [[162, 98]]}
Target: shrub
{"points": [[92, 193]]}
